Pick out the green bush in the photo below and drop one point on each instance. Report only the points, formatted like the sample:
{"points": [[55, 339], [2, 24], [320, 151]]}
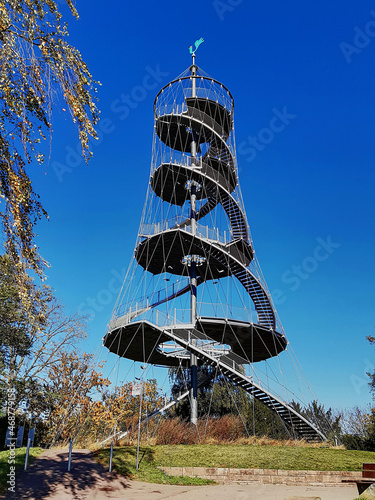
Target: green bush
{"points": [[355, 442]]}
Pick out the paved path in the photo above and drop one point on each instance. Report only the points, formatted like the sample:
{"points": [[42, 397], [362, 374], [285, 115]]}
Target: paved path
{"points": [[47, 478]]}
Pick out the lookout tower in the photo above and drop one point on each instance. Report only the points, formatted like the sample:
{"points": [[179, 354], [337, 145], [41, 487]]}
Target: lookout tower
{"points": [[194, 293]]}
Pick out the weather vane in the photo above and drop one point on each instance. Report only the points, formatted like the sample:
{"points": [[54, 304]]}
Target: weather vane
{"points": [[196, 43]]}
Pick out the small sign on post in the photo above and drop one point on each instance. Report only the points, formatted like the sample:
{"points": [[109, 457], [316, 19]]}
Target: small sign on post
{"points": [[19, 437], [8, 437], [137, 389], [31, 436]]}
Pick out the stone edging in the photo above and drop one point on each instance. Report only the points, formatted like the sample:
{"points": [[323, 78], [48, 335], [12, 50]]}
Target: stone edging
{"points": [[265, 476]]}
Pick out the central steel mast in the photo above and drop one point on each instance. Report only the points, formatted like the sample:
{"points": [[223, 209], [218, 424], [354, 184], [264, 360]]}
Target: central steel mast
{"points": [[193, 266]]}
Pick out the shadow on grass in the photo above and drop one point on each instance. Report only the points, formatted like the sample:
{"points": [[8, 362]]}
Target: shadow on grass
{"points": [[125, 459]]}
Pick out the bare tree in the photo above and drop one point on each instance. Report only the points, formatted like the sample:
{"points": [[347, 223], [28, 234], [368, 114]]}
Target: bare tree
{"points": [[34, 334]]}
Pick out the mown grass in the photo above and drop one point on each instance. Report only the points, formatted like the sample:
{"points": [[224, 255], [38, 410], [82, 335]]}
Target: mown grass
{"points": [[235, 456], [125, 459], [19, 463], [262, 457]]}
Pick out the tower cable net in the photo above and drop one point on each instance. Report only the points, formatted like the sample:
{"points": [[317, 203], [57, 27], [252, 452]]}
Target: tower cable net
{"points": [[194, 293]]}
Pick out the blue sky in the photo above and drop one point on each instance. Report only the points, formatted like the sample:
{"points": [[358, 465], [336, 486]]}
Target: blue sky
{"points": [[307, 186]]}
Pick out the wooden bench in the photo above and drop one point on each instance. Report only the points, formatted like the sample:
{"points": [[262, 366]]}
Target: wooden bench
{"points": [[368, 477]]}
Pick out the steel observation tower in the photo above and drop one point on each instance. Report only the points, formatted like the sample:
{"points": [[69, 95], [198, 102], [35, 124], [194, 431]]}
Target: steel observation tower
{"points": [[194, 293]]}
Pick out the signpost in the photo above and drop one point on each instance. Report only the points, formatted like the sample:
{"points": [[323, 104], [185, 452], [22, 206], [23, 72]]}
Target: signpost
{"points": [[139, 420], [137, 390], [110, 457], [27, 453], [70, 453]]}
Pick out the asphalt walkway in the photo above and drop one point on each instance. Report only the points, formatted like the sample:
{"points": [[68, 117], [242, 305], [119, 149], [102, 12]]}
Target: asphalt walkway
{"points": [[47, 478]]}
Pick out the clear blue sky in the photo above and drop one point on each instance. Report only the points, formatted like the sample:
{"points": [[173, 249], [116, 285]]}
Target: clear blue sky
{"points": [[308, 182]]}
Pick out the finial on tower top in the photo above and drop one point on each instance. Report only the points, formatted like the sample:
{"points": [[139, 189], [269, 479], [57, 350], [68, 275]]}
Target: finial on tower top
{"points": [[192, 52], [196, 43]]}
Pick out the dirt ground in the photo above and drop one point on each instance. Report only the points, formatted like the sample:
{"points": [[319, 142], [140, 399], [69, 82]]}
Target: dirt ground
{"points": [[48, 478]]}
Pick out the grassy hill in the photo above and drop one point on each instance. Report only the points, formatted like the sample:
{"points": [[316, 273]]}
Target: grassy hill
{"points": [[258, 456], [236, 456], [262, 457]]}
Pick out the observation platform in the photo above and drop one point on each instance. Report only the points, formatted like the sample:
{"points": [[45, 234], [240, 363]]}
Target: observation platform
{"points": [[213, 176], [142, 340]]}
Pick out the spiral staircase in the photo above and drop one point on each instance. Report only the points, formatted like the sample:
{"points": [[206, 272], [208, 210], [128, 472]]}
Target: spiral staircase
{"points": [[194, 171]]}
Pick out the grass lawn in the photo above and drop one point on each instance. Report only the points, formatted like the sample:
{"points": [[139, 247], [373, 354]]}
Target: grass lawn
{"points": [[19, 463], [261, 457], [236, 456]]}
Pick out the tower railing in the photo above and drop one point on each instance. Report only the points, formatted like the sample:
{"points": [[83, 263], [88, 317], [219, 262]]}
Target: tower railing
{"points": [[202, 231]]}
